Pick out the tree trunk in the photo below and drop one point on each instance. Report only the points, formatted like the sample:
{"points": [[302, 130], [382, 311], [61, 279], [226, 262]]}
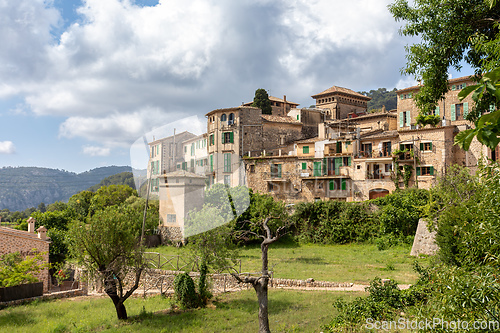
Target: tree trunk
{"points": [[110, 288], [261, 289]]}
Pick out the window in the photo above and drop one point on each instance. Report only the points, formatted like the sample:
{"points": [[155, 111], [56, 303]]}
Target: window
{"points": [[425, 171], [304, 166], [436, 111], [227, 137], [252, 168], [459, 111], [171, 218], [388, 167], [231, 119], [275, 170], [305, 150], [426, 146], [386, 148], [184, 166], [227, 162], [212, 139], [223, 117], [317, 169], [185, 149], [366, 149], [192, 149], [227, 180]]}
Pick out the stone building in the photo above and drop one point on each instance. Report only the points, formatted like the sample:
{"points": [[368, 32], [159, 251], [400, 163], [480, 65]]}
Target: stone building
{"points": [[195, 159], [280, 106], [165, 155], [341, 103], [27, 243]]}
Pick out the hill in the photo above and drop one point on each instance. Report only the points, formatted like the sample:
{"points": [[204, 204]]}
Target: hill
{"points": [[122, 178], [381, 97], [25, 187]]}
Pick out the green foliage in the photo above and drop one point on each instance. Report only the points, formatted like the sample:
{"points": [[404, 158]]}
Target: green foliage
{"points": [[204, 293], [429, 119], [185, 291], [333, 222], [57, 206], [381, 97], [400, 211], [261, 101], [14, 270], [430, 59], [79, 204], [110, 196]]}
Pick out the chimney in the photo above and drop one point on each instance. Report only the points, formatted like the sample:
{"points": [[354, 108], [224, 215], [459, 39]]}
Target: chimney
{"points": [[31, 225], [285, 110], [42, 233]]}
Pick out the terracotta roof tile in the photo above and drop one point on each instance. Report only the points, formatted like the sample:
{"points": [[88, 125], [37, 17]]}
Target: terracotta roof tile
{"points": [[341, 90], [280, 119]]}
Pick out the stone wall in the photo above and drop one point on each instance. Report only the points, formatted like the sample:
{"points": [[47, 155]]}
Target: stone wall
{"points": [[424, 242], [170, 234]]}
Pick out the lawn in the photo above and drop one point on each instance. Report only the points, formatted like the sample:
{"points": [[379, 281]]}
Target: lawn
{"points": [[290, 311], [357, 263]]}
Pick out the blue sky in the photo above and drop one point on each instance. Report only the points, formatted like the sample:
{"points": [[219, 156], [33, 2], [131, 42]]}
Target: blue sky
{"points": [[80, 81]]}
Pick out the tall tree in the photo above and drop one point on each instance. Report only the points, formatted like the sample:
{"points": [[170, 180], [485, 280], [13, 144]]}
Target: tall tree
{"points": [[261, 100], [109, 247], [450, 32]]}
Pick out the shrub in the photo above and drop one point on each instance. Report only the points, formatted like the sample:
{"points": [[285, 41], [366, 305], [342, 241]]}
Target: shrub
{"points": [[185, 291], [14, 270]]}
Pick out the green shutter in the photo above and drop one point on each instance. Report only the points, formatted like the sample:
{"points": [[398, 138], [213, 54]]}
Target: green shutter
{"points": [[453, 112], [324, 166], [211, 163], [410, 95], [418, 171], [317, 169], [430, 146], [401, 118], [222, 139], [231, 137], [401, 146], [432, 170], [304, 166], [349, 161], [344, 184], [339, 147], [421, 146], [305, 150], [337, 162], [453, 87], [297, 117], [466, 109], [279, 170], [436, 112], [408, 120], [332, 185]]}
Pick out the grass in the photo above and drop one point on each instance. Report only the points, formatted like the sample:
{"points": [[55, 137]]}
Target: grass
{"points": [[357, 263], [289, 311]]}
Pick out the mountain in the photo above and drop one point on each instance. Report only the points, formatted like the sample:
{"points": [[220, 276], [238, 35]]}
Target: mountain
{"points": [[122, 178], [381, 97], [25, 187]]}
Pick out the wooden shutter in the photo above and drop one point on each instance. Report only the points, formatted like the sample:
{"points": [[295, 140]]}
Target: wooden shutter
{"points": [[304, 166], [323, 166], [279, 170], [436, 112], [332, 185], [466, 109], [430, 145], [453, 112], [401, 119], [344, 184], [408, 120], [418, 171], [211, 162], [231, 137], [431, 170], [339, 147], [222, 139], [421, 146], [349, 161]]}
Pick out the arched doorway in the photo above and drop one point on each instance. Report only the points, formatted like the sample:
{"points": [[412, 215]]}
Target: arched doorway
{"points": [[378, 193]]}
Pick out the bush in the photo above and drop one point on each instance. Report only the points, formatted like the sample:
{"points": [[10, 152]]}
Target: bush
{"points": [[14, 270], [185, 291]]}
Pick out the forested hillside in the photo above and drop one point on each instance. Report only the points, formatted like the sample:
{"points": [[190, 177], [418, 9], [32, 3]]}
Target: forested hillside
{"points": [[381, 97], [26, 187]]}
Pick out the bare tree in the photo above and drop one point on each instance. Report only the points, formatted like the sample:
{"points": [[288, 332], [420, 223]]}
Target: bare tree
{"points": [[260, 284]]}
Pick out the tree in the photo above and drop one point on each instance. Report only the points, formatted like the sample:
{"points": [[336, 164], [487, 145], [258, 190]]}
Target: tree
{"points": [[109, 247], [450, 32], [260, 284], [109, 196], [261, 101], [14, 270]]}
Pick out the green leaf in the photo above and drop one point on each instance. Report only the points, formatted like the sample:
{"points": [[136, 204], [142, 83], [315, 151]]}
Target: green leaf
{"points": [[464, 138], [467, 90]]}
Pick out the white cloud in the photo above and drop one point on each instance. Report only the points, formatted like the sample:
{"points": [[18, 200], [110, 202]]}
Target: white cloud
{"points": [[122, 69], [7, 147], [96, 151]]}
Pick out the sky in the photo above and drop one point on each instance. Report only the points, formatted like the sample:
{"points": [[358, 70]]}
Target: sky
{"points": [[82, 80]]}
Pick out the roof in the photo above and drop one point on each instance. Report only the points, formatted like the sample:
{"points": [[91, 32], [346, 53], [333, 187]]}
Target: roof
{"points": [[341, 90], [450, 81], [280, 119], [311, 140], [385, 134], [168, 137], [274, 99], [231, 109], [182, 173], [22, 233]]}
